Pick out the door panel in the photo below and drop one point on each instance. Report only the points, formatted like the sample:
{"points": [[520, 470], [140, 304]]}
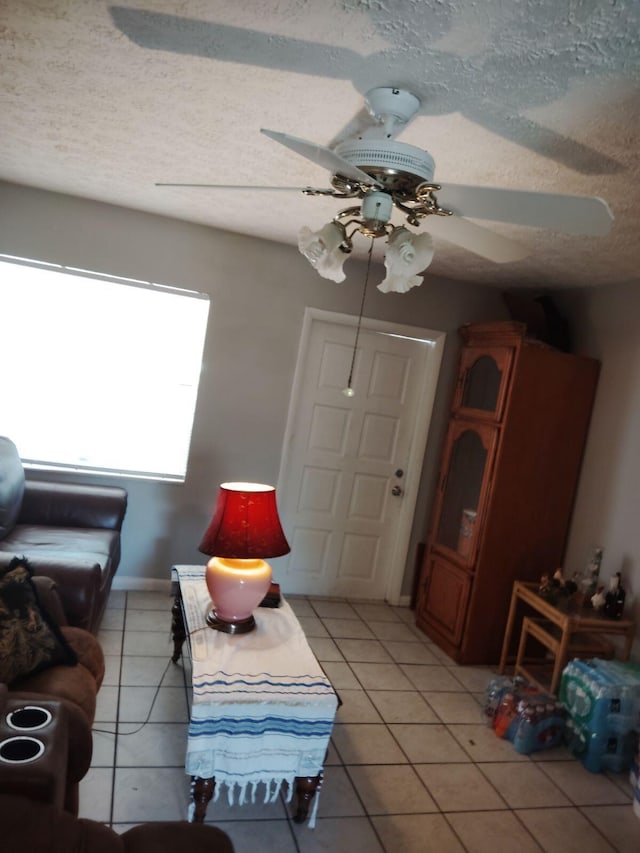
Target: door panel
{"points": [[483, 381], [368, 497], [468, 458], [446, 598], [378, 437], [329, 429]]}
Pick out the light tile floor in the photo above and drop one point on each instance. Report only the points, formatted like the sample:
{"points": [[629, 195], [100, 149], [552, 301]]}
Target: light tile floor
{"points": [[411, 766]]}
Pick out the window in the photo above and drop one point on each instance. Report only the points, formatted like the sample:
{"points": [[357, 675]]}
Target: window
{"points": [[99, 373]]}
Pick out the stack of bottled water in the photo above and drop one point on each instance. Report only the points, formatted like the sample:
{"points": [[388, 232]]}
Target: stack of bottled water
{"points": [[519, 712], [602, 699], [634, 778]]}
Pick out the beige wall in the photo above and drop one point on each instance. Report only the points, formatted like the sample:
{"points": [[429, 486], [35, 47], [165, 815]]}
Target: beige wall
{"points": [[607, 509], [259, 292]]}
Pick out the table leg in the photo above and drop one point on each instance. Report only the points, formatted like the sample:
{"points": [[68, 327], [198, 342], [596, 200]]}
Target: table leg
{"points": [[507, 633], [561, 659], [306, 787], [628, 643], [201, 793], [178, 630]]}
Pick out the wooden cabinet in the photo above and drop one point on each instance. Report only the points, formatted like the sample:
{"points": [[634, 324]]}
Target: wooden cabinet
{"points": [[508, 476]]}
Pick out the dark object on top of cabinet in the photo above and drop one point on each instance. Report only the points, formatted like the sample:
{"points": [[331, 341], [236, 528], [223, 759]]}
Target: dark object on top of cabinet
{"points": [[507, 482], [541, 318]]}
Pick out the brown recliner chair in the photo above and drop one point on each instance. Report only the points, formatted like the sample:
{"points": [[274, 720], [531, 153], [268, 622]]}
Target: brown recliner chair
{"points": [[78, 684], [39, 828], [74, 687]]}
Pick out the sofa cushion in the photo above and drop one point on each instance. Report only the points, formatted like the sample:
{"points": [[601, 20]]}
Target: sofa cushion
{"points": [[29, 640], [11, 485], [91, 546], [72, 683]]}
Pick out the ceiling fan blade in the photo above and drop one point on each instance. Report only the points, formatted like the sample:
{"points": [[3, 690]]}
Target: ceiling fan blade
{"points": [[476, 239], [324, 157], [571, 213], [233, 187]]}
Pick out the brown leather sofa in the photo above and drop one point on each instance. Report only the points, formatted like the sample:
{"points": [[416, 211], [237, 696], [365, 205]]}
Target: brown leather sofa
{"points": [[68, 532], [39, 828]]}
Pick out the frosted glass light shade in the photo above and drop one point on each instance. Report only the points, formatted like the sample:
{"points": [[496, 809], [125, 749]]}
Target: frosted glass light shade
{"points": [[322, 250], [407, 254]]}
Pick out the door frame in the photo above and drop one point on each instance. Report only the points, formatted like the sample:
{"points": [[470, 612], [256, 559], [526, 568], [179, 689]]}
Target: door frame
{"points": [[426, 391]]}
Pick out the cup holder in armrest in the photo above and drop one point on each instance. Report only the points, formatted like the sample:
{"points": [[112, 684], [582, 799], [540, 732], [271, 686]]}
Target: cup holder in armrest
{"points": [[29, 717], [20, 750]]}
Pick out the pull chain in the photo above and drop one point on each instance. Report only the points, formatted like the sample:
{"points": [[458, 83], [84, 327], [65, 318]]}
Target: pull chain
{"points": [[348, 391]]}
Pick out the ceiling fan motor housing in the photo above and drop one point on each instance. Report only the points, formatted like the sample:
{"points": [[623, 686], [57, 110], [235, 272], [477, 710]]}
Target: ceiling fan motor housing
{"points": [[389, 103], [391, 163]]}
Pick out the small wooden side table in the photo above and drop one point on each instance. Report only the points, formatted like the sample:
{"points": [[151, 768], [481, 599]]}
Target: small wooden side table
{"points": [[564, 632]]}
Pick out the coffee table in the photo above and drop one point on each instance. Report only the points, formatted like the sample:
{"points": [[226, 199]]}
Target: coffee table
{"points": [[262, 709]]}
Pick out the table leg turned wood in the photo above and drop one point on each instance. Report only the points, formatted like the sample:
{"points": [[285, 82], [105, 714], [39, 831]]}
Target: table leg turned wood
{"points": [[201, 793], [306, 787], [178, 631]]}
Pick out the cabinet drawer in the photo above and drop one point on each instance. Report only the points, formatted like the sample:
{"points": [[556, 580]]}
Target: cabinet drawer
{"points": [[446, 595]]}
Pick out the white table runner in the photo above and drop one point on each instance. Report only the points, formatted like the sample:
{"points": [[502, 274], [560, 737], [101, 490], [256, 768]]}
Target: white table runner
{"points": [[263, 709]]}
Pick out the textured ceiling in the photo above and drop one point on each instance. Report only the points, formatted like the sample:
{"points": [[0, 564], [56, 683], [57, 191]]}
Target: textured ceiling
{"points": [[102, 101]]}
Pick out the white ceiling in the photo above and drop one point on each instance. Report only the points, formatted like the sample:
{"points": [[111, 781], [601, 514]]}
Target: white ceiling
{"points": [[102, 101]]}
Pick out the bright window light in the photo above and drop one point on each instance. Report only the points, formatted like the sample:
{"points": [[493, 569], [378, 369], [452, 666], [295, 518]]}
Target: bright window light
{"points": [[99, 373]]}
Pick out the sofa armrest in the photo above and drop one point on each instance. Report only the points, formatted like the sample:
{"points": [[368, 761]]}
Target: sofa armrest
{"points": [[78, 585], [72, 505], [49, 598]]}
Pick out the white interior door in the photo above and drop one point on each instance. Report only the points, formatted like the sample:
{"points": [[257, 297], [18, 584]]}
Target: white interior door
{"points": [[351, 465]]}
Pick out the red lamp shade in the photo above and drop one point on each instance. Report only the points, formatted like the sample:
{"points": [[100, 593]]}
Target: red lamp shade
{"points": [[244, 529], [245, 523]]}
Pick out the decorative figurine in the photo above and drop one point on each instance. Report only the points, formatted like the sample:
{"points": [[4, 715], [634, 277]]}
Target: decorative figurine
{"points": [[591, 574], [598, 599], [556, 587]]}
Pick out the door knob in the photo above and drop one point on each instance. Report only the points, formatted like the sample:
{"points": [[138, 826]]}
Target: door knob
{"points": [[396, 491]]}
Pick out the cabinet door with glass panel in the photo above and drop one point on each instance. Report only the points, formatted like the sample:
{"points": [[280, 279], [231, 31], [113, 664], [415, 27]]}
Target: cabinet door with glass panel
{"points": [[463, 489], [483, 381]]}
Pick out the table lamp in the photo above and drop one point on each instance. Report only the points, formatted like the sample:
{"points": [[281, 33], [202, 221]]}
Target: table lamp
{"points": [[245, 529]]}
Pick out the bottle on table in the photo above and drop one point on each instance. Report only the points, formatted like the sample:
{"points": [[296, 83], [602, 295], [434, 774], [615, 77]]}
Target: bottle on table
{"points": [[615, 598]]}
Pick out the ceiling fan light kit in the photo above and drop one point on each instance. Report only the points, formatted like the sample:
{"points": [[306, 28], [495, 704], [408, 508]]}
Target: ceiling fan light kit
{"points": [[407, 255], [385, 175], [325, 249]]}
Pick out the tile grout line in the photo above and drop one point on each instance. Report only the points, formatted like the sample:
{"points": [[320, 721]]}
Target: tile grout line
{"points": [[117, 729]]}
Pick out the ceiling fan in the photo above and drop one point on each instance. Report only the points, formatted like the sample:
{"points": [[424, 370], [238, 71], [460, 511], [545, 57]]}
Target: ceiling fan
{"points": [[382, 174]]}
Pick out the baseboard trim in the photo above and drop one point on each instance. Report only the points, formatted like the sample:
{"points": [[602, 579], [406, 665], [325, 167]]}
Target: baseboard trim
{"points": [[141, 584]]}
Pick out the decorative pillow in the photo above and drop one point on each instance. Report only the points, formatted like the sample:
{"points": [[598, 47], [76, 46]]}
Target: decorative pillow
{"points": [[29, 639]]}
